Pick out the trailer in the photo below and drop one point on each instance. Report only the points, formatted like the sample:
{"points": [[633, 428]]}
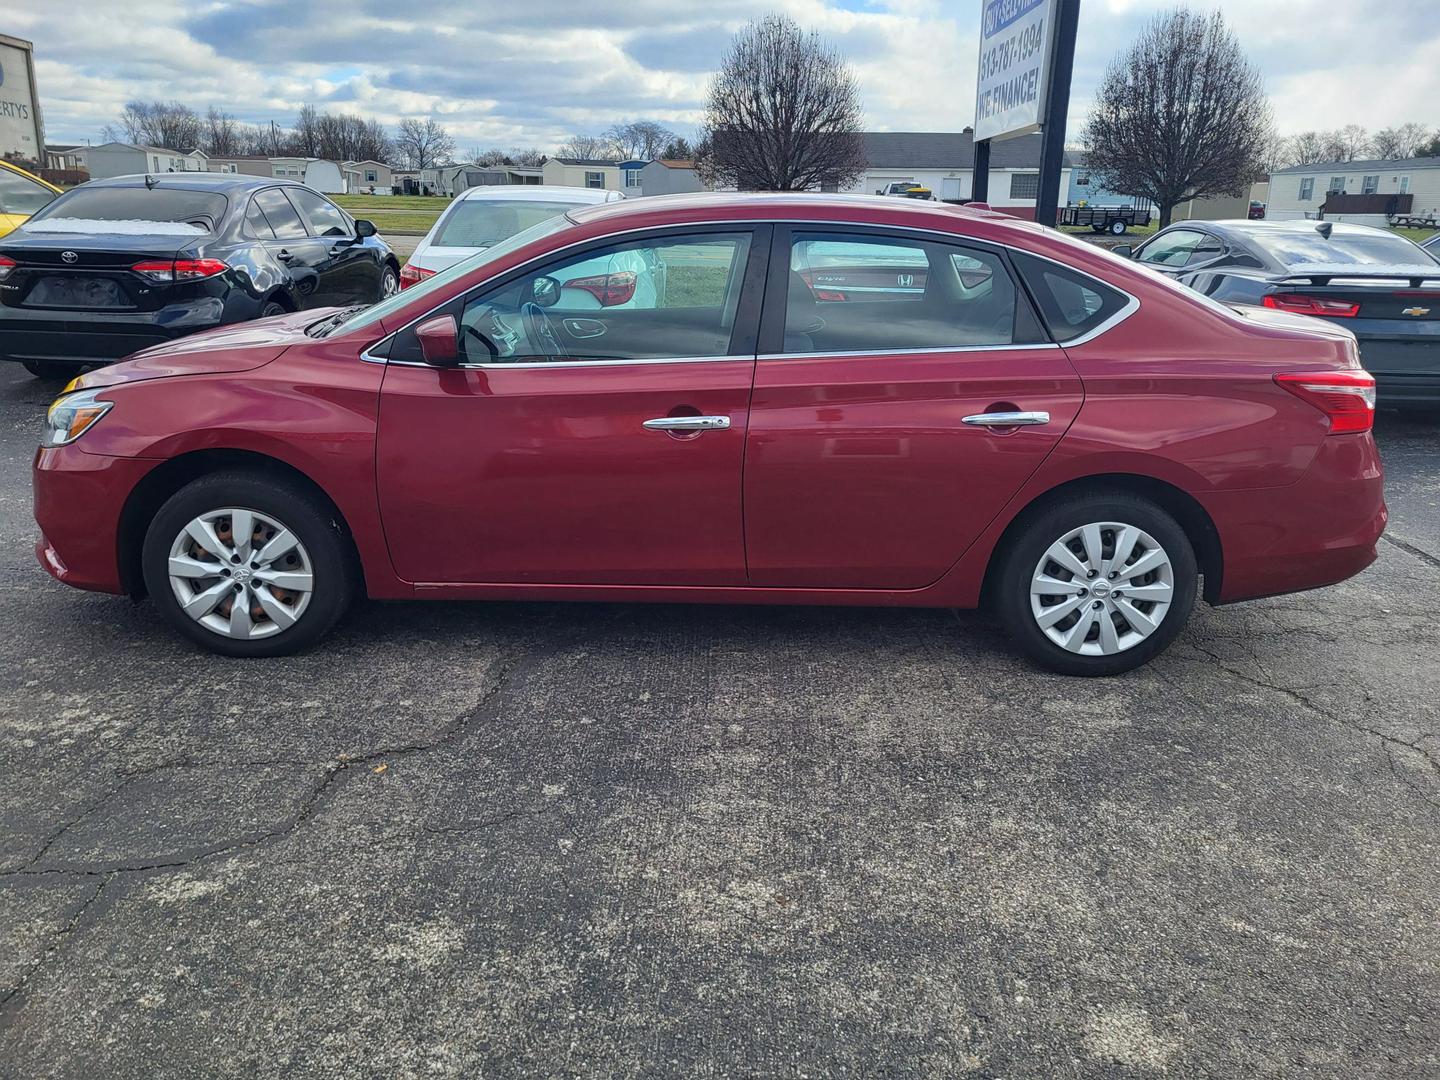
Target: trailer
{"points": [[1112, 219], [22, 135]]}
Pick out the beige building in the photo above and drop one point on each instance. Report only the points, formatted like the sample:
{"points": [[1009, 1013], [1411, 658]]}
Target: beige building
{"points": [[582, 172], [368, 177], [1301, 190]]}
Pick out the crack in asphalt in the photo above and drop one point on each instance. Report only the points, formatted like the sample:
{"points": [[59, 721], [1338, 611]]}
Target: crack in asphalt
{"points": [[55, 943], [1388, 741], [1419, 553], [332, 768]]}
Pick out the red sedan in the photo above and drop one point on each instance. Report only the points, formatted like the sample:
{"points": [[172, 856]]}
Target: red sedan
{"points": [[974, 409]]}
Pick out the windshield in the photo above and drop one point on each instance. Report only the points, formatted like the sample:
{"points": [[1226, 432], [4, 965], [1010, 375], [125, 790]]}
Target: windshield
{"points": [[204, 209], [1305, 247], [494, 253], [479, 223]]}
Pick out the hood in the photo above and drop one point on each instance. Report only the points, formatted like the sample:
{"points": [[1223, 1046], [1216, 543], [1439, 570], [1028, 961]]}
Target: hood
{"points": [[243, 347]]}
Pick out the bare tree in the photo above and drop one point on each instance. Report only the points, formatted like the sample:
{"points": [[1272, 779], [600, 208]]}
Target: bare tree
{"points": [[642, 139], [1307, 148], [1396, 143], [783, 113], [424, 144], [1347, 143], [526, 155], [219, 136], [591, 147], [157, 123], [1182, 114]]}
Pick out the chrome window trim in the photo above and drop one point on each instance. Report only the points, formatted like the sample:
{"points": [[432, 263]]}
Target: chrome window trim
{"points": [[1029, 347], [545, 364], [1132, 304]]}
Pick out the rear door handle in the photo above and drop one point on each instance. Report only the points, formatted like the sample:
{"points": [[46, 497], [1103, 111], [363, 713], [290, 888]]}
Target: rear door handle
{"points": [[283, 255], [687, 423], [1007, 419]]}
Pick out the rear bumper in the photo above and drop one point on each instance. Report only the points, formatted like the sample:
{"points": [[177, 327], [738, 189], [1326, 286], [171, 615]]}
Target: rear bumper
{"points": [[1320, 530], [102, 337], [1406, 370], [79, 498]]}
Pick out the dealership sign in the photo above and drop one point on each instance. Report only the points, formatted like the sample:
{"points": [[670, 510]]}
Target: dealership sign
{"points": [[1015, 37]]}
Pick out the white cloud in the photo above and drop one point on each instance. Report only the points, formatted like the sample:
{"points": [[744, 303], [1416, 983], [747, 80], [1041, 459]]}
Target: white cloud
{"points": [[506, 73]]}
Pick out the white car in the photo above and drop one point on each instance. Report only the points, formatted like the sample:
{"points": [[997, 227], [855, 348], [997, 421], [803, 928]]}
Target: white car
{"points": [[482, 216]]}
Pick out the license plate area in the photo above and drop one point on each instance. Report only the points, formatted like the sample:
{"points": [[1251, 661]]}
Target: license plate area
{"points": [[72, 291]]}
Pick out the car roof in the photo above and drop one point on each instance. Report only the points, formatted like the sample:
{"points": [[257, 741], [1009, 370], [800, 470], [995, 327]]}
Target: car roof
{"points": [[197, 181], [541, 193], [778, 205]]}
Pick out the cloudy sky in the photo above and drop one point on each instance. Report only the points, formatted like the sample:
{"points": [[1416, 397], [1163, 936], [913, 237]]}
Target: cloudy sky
{"points": [[529, 72]]}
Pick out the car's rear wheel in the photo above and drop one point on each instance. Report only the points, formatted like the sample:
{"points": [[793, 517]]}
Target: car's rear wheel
{"points": [[247, 566], [53, 370], [273, 308], [1097, 584], [389, 282]]}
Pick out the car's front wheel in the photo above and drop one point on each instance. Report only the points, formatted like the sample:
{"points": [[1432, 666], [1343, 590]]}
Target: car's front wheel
{"points": [[1097, 584], [389, 282], [247, 565]]}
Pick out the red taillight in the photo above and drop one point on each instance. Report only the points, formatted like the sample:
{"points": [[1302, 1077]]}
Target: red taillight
{"points": [[609, 289], [1312, 305], [1347, 397], [410, 274], [7, 264], [180, 269]]}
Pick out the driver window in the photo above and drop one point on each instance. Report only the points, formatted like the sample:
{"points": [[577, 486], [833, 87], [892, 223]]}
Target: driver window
{"points": [[665, 298]]}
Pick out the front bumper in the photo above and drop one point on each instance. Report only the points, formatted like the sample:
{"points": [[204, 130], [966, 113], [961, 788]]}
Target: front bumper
{"points": [[1320, 530], [79, 502]]}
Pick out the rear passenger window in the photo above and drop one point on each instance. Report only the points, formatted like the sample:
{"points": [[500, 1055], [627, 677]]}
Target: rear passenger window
{"points": [[860, 293], [281, 215], [256, 224], [1071, 303]]}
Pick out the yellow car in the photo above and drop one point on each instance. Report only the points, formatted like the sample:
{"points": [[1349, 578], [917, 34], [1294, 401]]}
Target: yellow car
{"points": [[21, 194]]}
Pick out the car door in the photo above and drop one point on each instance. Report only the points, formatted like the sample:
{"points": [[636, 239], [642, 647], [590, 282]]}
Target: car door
{"points": [[882, 434], [352, 266], [306, 257], [608, 457]]}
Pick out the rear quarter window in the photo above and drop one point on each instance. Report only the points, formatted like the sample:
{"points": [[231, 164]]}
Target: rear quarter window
{"points": [[1072, 304]]}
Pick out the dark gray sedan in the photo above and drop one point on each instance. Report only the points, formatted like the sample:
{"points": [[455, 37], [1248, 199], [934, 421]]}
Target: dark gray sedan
{"points": [[1377, 284]]}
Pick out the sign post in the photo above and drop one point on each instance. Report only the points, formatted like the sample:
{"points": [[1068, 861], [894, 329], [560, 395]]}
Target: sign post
{"points": [[1027, 53]]}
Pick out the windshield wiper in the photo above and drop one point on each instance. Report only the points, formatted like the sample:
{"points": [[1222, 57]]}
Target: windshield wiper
{"points": [[328, 324]]}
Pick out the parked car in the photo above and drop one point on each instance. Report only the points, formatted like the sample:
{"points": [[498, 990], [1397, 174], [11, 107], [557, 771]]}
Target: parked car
{"points": [[908, 189], [1379, 286], [116, 265], [1077, 442], [1256, 211], [21, 194]]}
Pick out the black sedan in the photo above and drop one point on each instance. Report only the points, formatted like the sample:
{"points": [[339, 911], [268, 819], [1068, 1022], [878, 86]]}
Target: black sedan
{"points": [[1377, 284], [116, 265]]}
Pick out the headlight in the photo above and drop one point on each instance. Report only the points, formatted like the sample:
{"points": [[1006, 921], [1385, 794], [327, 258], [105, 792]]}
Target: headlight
{"points": [[72, 415]]}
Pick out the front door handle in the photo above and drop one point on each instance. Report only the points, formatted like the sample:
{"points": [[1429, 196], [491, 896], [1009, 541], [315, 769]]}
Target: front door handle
{"points": [[284, 256], [1007, 419], [687, 423]]}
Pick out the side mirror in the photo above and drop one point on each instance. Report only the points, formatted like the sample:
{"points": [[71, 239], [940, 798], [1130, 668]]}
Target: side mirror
{"points": [[439, 341], [545, 291], [1125, 251], [364, 228]]}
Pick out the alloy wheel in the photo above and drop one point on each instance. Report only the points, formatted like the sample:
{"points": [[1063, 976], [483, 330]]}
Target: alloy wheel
{"points": [[1102, 588], [240, 573]]}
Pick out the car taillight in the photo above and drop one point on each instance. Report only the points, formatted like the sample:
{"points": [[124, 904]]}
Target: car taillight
{"points": [[609, 289], [180, 269], [1346, 397], [7, 264], [1312, 305], [410, 274]]}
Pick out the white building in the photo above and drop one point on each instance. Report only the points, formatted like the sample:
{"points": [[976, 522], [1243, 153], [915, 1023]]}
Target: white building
{"points": [[322, 175], [944, 162], [1302, 190], [125, 159], [583, 172]]}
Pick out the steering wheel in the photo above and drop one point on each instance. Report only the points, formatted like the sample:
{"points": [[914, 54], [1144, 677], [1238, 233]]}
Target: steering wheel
{"points": [[539, 329]]}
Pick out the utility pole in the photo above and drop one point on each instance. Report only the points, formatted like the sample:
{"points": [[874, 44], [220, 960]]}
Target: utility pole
{"points": [[1057, 109]]}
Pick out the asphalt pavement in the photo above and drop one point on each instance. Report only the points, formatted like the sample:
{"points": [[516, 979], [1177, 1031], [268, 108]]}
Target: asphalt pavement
{"points": [[604, 840]]}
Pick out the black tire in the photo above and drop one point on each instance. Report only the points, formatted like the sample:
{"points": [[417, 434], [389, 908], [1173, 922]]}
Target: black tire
{"points": [[273, 308], [53, 370], [1011, 595], [298, 510]]}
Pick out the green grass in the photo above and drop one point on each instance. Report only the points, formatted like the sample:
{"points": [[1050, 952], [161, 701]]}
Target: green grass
{"points": [[412, 221], [1414, 234], [695, 286], [1138, 231], [433, 203]]}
